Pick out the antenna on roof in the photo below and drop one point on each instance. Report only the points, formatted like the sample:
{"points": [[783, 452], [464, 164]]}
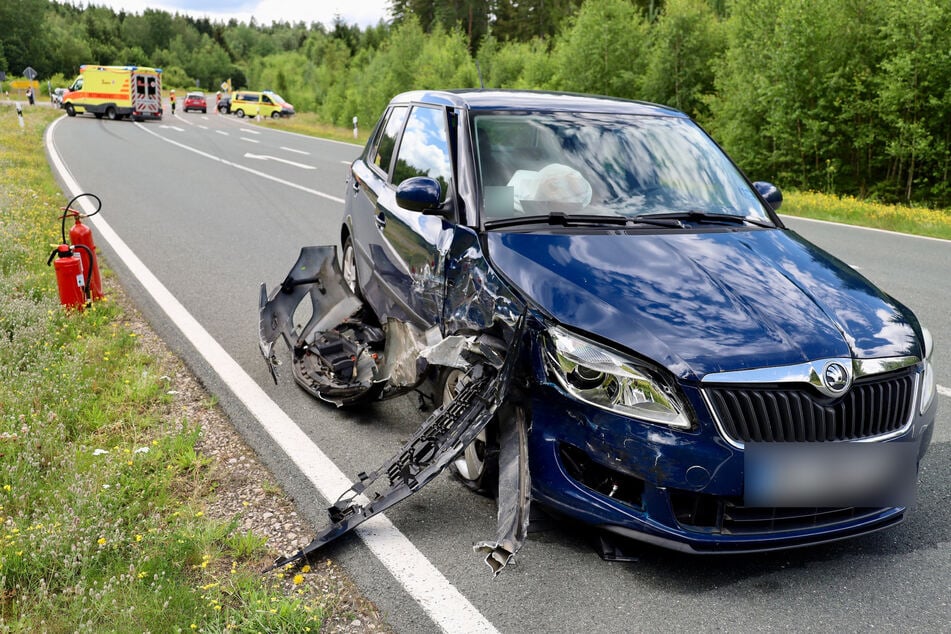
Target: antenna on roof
{"points": [[479, 69]]}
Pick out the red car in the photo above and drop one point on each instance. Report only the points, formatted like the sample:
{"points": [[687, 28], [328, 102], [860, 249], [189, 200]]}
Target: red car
{"points": [[195, 101]]}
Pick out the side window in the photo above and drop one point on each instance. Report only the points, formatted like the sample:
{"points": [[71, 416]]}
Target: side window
{"points": [[265, 99], [77, 85], [381, 152], [424, 149]]}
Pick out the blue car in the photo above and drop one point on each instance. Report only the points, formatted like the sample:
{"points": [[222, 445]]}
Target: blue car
{"points": [[611, 322]]}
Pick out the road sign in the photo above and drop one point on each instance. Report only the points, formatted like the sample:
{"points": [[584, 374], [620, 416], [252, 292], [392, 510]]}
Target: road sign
{"points": [[29, 73]]}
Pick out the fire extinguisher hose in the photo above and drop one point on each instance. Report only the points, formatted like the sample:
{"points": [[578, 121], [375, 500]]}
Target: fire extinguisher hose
{"points": [[69, 212]]}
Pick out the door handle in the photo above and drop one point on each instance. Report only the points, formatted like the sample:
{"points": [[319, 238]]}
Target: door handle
{"points": [[380, 220]]}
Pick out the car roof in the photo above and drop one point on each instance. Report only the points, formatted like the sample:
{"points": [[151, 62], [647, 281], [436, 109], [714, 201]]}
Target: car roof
{"points": [[534, 100]]}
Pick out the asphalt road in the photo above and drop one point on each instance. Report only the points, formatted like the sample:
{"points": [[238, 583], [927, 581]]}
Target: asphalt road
{"points": [[194, 200]]}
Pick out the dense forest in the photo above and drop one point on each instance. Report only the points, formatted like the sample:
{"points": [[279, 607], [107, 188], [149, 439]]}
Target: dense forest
{"points": [[841, 96]]}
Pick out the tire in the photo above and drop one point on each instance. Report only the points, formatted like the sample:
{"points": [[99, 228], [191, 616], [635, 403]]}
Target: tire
{"points": [[70, 111], [204, 111], [240, 113], [348, 267], [111, 113], [275, 115], [98, 115], [478, 465], [223, 109]]}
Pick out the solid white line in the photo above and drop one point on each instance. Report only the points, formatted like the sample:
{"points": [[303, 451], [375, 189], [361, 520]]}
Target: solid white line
{"points": [[290, 149], [212, 157], [441, 600], [842, 224]]}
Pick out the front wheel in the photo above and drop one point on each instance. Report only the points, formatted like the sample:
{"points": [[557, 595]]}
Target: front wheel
{"points": [[478, 465], [70, 111], [275, 115], [348, 264], [240, 113]]}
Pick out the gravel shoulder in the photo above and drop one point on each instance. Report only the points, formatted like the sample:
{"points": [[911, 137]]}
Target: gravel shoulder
{"points": [[237, 485]]}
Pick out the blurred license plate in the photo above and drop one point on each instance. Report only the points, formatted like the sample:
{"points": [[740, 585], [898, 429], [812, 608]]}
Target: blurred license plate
{"points": [[840, 474]]}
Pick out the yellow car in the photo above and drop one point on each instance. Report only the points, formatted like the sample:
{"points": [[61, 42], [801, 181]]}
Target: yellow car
{"points": [[245, 103]]}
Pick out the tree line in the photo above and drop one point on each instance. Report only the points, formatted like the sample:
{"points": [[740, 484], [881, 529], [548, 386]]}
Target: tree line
{"points": [[841, 96]]}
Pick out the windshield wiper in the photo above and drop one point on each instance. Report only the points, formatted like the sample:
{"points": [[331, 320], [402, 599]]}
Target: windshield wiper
{"points": [[558, 218], [705, 216]]}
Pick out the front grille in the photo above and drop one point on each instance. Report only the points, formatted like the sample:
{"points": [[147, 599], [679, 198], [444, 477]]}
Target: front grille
{"points": [[782, 413], [729, 517]]}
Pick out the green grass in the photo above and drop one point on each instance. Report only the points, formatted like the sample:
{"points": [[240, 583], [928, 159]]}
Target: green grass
{"points": [[102, 487], [310, 124], [935, 223]]}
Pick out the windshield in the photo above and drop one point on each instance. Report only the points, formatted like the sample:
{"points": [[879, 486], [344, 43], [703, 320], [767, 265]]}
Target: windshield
{"points": [[605, 164]]}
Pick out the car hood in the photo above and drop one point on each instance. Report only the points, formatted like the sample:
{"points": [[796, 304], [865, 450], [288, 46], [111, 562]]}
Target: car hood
{"points": [[707, 302]]}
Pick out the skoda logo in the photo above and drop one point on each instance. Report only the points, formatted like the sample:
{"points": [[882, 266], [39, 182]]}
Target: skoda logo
{"points": [[835, 377]]}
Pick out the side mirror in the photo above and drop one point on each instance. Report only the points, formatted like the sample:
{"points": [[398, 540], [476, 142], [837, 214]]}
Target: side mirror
{"points": [[770, 194], [419, 193]]}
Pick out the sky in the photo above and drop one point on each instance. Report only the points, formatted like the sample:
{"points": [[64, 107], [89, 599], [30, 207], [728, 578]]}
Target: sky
{"points": [[362, 12]]}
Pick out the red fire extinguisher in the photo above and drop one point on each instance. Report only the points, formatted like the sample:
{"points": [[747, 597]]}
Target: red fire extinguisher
{"points": [[81, 234], [69, 276], [76, 265]]}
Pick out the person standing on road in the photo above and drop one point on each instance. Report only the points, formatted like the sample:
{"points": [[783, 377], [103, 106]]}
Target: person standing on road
{"points": [[29, 95], [172, 97]]}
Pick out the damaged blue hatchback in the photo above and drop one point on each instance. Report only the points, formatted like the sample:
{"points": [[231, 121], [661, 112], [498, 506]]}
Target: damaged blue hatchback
{"points": [[609, 321]]}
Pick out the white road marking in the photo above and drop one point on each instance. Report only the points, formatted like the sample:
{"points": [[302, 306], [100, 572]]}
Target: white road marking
{"points": [[265, 157], [172, 127], [875, 229], [441, 600], [250, 131], [244, 138], [222, 132], [243, 168], [203, 127], [346, 162], [944, 391], [290, 149]]}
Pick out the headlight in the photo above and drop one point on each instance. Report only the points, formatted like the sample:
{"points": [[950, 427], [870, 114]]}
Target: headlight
{"points": [[927, 379], [609, 380]]}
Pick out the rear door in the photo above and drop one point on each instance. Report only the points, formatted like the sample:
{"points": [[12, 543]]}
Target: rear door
{"points": [[146, 94]]}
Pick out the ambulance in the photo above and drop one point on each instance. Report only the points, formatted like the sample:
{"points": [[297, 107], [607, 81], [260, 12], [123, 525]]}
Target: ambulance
{"points": [[116, 92]]}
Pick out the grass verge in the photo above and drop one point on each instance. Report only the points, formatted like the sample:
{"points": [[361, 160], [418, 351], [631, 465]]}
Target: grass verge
{"points": [[935, 223], [103, 486]]}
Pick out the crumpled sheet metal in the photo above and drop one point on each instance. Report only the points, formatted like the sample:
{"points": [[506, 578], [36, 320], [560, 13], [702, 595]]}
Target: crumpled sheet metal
{"points": [[477, 299]]}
